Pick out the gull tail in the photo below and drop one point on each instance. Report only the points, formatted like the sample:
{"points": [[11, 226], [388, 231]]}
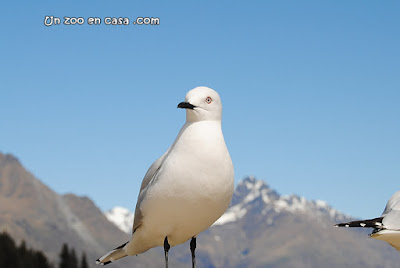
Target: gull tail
{"points": [[113, 255], [372, 223]]}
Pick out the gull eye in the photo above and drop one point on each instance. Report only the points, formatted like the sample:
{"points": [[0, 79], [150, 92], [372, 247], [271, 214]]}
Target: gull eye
{"points": [[208, 100]]}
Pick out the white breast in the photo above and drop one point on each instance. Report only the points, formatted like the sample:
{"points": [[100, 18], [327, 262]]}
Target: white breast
{"points": [[193, 189]]}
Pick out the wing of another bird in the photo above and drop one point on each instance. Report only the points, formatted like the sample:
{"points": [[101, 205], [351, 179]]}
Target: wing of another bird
{"points": [[151, 174], [371, 223], [386, 227]]}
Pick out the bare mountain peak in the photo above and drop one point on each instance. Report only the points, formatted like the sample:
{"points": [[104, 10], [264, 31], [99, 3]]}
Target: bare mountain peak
{"points": [[19, 184], [8, 159]]}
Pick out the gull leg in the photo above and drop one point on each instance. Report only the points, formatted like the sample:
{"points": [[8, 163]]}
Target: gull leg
{"points": [[166, 249], [192, 249]]}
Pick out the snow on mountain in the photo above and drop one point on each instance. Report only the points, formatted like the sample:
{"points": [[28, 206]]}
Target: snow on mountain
{"points": [[250, 195], [231, 215], [256, 195], [121, 217]]}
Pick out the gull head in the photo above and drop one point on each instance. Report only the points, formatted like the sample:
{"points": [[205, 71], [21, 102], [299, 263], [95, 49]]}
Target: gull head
{"points": [[202, 104]]}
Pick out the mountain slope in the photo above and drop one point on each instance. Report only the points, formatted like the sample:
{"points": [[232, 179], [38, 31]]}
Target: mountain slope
{"points": [[31, 211]]}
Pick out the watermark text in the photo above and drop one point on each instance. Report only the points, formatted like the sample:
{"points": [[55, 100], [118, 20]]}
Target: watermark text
{"points": [[54, 21]]}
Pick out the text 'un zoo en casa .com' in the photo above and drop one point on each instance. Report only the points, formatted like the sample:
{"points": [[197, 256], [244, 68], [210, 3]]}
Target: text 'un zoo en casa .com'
{"points": [[52, 20]]}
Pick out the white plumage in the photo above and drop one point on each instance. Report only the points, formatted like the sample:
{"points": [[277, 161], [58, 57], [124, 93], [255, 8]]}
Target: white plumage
{"points": [[189, 187]]}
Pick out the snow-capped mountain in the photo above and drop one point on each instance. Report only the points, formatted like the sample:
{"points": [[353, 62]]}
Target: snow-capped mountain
{"points": [[262, 228], [250, 195], [121, 217]]}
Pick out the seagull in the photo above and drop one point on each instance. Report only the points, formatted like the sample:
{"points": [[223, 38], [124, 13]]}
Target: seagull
{"points": [[387, 226], [188, 188]]}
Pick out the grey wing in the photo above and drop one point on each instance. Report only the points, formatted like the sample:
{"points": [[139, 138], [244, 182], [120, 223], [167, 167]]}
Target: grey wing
{"points": [[150, 175], [393, 203], [392, 220]]}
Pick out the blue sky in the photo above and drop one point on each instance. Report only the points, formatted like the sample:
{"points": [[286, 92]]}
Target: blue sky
{"points": [[310, 92]]}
